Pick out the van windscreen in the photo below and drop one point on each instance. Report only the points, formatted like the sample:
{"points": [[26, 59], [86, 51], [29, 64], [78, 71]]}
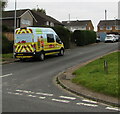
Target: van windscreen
{"points": [[23, 38]]}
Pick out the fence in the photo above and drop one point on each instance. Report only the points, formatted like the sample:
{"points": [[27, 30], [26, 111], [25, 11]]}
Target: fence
{"points": [[9, 35]]}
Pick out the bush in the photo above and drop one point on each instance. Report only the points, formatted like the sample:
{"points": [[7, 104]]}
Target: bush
{"points": [[7, 46], [64, 35], [7, 29], [82, 38]]}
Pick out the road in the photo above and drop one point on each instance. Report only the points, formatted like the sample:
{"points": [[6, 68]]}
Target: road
{"points": [[29, 86]]}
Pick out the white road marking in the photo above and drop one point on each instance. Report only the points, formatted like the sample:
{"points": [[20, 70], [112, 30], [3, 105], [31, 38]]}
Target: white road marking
{"points": [[19, 90], [30, 95], [46, 94], [24, 91], [15, 93], [90, 101], [6, 75], [9, 92], [63, 101], [71, 98], [111, 108], [42, 97], [85, 104]]}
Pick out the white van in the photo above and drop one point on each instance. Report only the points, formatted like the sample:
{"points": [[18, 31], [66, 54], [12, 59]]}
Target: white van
{"points": [[36, 42]]}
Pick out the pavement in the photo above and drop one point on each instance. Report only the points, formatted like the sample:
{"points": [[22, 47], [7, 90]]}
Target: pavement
{"points": [[7, 61], [64, 80]]}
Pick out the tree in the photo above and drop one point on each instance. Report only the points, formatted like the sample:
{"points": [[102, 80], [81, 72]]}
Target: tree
{"points": [[3, 4], [40, 10]]}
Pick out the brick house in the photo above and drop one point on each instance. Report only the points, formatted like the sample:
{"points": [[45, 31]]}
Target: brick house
{"points": [[109, 26], [79, 25]]}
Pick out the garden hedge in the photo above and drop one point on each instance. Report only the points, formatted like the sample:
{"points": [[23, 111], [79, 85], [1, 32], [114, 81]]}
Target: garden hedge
{"points": [[82, 38], [7, 46], [64, 35]]}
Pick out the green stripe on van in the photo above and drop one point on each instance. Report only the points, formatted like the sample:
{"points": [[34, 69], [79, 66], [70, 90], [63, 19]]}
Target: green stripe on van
{"points": [[38, 31]]}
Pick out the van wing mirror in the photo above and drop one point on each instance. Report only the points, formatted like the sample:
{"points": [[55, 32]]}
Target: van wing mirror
{"points": [[60, 42]]}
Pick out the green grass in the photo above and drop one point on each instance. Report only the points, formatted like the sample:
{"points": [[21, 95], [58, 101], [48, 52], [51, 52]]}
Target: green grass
{"points": [[4, 57], [95, 78], [9, 55]]}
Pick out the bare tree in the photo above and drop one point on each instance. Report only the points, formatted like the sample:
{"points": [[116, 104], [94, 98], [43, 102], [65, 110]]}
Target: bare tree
{"points": [[40, 10], [3, 4]]}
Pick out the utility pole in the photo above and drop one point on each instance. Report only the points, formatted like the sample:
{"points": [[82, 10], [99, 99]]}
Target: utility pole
{"points": [[69, 17], [14, 25], [69, 30], [69, 22], [15, 16], [105, 14]]}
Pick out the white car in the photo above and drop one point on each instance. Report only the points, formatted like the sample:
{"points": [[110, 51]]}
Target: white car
{"points": [[110, 38], [117, 37]]}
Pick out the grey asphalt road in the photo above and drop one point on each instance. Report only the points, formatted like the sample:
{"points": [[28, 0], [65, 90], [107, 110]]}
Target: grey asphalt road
{"points": [[29, 86]]}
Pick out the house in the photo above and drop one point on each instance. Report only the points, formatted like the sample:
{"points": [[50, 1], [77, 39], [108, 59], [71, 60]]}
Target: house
{"points": [[27, 17], [43, 19], [23, 18], [108, 27], [79, 25]]}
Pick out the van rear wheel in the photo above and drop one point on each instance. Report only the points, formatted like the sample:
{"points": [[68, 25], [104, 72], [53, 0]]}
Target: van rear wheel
{"points": [[42, 56]]}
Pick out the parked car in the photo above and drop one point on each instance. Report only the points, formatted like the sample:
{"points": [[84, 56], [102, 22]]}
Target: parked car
{"points": [[117, 37], [110, 38], [97, 40]]}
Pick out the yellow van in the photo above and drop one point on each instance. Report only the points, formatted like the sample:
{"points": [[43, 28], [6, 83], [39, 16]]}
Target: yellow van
{"points": [[36, 42]]}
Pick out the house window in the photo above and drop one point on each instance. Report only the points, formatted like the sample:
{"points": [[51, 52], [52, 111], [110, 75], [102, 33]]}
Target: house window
{"points": [[47, 23], [117, 27], [108, 28], [50, 38], [51, 24], [82, 28], [25, 22], [101, 27]]}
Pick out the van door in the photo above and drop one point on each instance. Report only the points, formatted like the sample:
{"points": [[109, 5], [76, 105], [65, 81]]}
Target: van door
{"points": [[50, 46], [58, 42]]}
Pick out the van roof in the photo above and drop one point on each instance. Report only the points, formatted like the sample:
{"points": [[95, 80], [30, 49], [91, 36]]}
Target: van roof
{"points": [[43, 29]]}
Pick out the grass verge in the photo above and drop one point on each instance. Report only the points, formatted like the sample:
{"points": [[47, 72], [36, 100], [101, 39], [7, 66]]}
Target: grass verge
{"points": [[9, 55], [93, 75], [6, 56]]}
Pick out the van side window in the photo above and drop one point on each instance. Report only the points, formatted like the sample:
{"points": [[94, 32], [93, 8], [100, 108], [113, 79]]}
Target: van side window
{"points": [[57, 39], [50, 38]]}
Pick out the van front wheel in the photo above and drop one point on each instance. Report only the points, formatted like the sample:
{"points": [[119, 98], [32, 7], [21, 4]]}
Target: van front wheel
{"points": [[61, 52]]}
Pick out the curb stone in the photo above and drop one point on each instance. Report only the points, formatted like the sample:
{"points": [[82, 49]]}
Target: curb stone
{"points": [[9, 61]]}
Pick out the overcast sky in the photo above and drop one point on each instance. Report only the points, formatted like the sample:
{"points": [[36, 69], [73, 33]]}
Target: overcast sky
{"points": [[78, 10]]}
